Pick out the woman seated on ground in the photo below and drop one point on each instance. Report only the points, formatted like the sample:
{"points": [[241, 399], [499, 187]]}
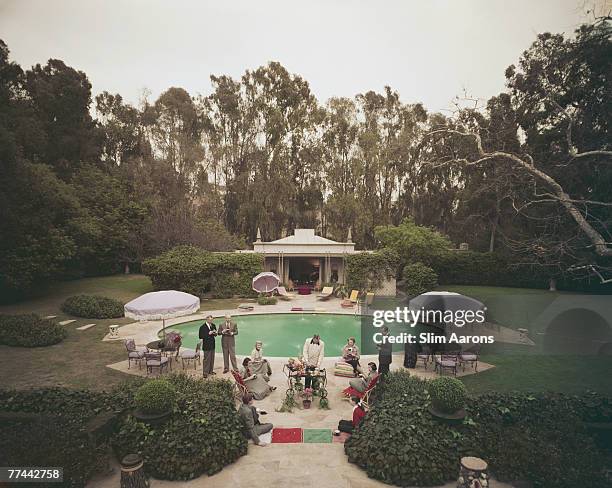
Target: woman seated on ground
{"points": [[350, 354], [361, 383], [258, 363], [358, 413], [256, 383]]}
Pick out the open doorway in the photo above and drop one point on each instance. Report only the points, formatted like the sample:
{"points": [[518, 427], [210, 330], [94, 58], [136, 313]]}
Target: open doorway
{"points": [[304, 271]]}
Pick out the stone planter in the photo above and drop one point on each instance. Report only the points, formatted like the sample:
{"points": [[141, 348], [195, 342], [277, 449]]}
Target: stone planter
{"points": [[447, 418], [306, 403], [152, 418]]}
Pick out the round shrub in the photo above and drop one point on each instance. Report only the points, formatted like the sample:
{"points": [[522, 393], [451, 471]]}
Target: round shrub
{"points": [[266, 300], [93, 307], [448, 395], [29, 330], [204, 435], [419, 278], [155, 396]]}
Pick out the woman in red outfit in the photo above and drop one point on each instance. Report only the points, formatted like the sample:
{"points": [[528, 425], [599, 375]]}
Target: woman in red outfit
{"points": [[358, 414]]}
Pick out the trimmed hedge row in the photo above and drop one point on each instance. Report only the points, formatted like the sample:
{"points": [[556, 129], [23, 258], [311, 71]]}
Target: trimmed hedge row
{"points": [[490, 269], [29, 330], [57, 437], [204, 434], [539, 439], [93, 307], [197, 271], [368, 270]]}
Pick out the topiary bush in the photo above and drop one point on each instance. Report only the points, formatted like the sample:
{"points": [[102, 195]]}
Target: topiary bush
{"points": [[29, 330], [263, 300], [203, 436], [419, 279], [448, 395], [536, 439], [156, 396], [197, 271], [93, 307], [368, 270]]}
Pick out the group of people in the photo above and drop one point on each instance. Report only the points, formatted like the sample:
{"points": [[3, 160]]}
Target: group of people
{"points": [[256, 371]]}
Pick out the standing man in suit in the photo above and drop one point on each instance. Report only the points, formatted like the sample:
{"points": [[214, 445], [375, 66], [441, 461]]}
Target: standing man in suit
{"points": [[228, 330], [385, 348], [208, 332], [253, 427]]}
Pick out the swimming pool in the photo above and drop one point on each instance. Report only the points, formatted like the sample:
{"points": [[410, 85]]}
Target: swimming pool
{"points": [[284, 334]]}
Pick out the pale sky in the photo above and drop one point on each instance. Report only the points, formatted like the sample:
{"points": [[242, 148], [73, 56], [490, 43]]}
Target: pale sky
{"points": [[429, 50]]}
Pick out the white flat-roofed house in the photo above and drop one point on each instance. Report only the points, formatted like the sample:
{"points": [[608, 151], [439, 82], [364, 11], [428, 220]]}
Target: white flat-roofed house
{"points": [[305, 258]]}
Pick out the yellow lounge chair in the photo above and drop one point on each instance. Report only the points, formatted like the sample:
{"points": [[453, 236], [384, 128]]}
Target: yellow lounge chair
{"points": [[352, 300]]}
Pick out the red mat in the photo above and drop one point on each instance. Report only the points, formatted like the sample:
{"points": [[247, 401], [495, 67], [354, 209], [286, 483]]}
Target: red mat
{"points": [[281, 435]]}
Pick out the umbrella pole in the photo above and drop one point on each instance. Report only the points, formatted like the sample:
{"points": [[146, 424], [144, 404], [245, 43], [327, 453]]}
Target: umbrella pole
{"points": [[164, 326]]}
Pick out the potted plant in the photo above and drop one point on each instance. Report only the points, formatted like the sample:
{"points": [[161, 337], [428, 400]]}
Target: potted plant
{"points": [[448, 399], [155, 401], [307, 397]]}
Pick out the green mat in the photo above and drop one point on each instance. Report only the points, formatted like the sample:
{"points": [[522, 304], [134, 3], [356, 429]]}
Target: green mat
{"points": [[317, 436]]}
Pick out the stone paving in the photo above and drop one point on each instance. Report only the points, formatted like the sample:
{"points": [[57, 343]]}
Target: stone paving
{"points": [[280, 465]]}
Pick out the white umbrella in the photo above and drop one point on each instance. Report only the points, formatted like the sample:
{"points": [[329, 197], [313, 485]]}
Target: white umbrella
{"points": [[266, 282], [162, 305], [445, 301]]}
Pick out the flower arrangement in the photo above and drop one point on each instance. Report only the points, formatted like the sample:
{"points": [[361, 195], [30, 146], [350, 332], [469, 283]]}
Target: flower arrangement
{"points": [[295, 364]]}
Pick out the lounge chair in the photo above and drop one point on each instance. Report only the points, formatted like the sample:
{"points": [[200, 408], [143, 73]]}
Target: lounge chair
{"points": [[135, 353], [191, 355], [365, 395], [283, 294], [156, 360], [326, 293], [351, 300]]}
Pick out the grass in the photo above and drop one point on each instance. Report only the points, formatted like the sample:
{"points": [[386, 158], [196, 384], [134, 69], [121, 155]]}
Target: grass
{"points": [[538, 373], [80, 360]]}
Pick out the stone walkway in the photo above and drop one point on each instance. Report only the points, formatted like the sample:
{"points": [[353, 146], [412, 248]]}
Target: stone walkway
{"points": [[279, 465]]}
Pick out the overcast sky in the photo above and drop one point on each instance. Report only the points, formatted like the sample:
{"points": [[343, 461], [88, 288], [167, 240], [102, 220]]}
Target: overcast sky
{"points": [[428, 50]]}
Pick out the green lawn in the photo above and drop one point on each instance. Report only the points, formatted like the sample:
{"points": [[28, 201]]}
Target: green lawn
{"points": [[80, 360]]}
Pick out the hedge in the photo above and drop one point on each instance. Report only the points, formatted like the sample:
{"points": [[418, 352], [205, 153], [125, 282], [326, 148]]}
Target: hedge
{"points": [[540, 439], [491, 269], [203, 435], [197, 271], [57, 436], [93, 307], [367, 271], [419, 278], [29, 330]]}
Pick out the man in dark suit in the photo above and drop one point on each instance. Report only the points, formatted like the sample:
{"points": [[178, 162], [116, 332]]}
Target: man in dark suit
{"points": [[208, 332], [385, 350]]}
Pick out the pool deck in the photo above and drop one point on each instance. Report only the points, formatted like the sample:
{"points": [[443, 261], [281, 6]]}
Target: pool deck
{"points": [[281, 465]]}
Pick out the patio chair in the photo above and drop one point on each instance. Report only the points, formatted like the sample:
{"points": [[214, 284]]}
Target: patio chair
{"points": [[156, 360], [172, 344], [282, 293], [446, 361], [365, 395], [470, 356], [135, 353], [191, 355], [424, 356], [351, 300], [240, 388], [326, 293]]}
